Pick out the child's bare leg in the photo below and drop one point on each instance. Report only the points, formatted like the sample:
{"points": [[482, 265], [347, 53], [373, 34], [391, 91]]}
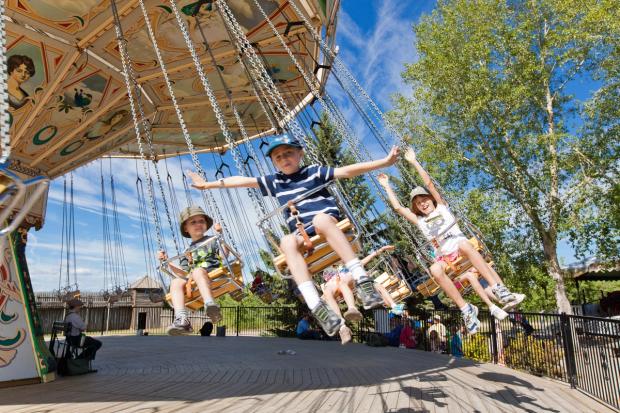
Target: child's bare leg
{"points": [[438, 270], [181, 323], [201, 276], [290, 244], [475, 284], [478, 262], [345, 285], [329, 295], [326, 225], [346, 288], [203, 282], [387, 298], [177, 292]]}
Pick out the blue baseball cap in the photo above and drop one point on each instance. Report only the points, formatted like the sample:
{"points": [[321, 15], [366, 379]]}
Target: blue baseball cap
{"points": [[283, 140]]}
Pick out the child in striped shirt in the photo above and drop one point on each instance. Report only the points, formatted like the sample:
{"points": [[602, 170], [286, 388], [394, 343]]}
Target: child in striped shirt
{"points": [[318, 213]]}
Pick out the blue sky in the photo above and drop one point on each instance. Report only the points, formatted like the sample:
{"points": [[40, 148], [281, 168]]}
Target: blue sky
{"points": [[375, 39]]}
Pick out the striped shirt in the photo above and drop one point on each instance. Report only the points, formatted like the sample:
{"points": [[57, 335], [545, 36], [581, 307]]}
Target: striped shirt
{"points": [[288, 187]]}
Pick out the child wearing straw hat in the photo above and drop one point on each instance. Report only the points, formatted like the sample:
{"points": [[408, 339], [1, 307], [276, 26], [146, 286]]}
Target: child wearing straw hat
{"points": [[194, 223]]}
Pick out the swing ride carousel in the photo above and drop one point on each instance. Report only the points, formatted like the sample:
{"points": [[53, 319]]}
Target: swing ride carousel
{"points": [[152, 80]]}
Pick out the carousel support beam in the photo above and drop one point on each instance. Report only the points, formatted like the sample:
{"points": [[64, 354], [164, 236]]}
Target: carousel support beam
{"points": [[60, 169], [218, 56], [67, 138]]}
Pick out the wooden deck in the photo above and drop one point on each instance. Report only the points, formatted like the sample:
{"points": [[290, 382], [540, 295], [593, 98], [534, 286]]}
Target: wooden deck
{"points": [[245, 374]]}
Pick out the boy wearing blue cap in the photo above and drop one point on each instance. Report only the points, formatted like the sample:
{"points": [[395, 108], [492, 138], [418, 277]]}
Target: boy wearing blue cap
{"points": [[319, 214]]}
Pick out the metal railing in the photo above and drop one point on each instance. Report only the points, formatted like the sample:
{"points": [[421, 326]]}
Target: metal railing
{"points": [[581, 351]]}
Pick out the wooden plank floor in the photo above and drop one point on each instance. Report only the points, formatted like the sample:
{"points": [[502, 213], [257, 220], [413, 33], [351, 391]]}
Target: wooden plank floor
{"points": [[245, 374]]}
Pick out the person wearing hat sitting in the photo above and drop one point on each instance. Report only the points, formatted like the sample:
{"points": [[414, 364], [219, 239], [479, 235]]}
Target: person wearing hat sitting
{"points": [[319, 214], [78, 326], [194, 223], [430, 213]]}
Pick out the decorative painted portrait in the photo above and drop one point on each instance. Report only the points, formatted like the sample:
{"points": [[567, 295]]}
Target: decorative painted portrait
{"points": [[25, 73]]}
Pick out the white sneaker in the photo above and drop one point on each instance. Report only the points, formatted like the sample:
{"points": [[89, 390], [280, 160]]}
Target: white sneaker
{"points": [[498, 313], [516, 300], [470, 318]]}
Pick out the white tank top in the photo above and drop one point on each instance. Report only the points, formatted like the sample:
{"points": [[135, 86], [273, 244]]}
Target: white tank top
{"points": [[435, 226]]}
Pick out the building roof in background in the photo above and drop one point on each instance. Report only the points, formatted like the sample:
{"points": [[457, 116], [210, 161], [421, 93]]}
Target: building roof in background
{"points": [[145, 282], [592, 269]]}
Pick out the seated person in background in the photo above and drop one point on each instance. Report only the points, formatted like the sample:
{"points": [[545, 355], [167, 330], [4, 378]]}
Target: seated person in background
{"points": [[78, 326], [440, 330], [304, 331]]}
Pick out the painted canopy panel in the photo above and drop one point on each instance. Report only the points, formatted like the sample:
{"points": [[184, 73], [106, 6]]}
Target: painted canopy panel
{"points": [[67, 94]]}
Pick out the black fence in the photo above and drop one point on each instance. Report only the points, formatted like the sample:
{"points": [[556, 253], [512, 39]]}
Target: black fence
{"points": [[581, 351]]}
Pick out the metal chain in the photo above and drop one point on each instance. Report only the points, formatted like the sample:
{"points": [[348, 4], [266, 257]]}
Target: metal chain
{"points": [[338, 121], [211, 204], [126, 63], [5, 115], [245, 48], [256, 199]]}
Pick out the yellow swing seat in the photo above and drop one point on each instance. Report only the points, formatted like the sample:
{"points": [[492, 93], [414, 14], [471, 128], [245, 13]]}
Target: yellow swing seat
{"points": [[454, 269], [222, 282], [397, 288], [323, 254]]}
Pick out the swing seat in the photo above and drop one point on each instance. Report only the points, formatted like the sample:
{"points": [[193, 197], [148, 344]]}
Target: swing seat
{"points": [[323, 255], [397, 288], [222, 282], [454, 269]]}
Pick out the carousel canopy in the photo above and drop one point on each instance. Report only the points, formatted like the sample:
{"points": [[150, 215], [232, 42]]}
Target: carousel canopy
{"points": [[67, 95]]}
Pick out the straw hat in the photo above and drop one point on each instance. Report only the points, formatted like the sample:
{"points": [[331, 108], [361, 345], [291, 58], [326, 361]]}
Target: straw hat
{"points": [[418, 191], [74, 303], [189, 212]]}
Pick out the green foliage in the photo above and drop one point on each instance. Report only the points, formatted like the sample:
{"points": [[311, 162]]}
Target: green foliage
{"points": [[477, 348], [535, 356], [494, 118]]}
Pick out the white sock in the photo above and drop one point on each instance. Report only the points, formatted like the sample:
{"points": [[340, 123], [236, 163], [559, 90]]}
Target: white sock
{"points": [[465, 308], [356, 269], [180, 312], [308, 291]]}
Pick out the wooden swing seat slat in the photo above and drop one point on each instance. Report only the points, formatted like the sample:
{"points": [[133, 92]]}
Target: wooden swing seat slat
{"points": [[323, 255], [397, 288], [221, 283], [456, 268]]}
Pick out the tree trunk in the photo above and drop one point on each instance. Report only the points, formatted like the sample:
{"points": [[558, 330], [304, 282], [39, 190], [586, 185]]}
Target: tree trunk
{"points": [[553, 267]]}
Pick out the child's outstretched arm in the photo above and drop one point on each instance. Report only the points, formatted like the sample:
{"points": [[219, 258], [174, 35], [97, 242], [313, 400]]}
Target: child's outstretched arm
{"points": [[384, 180], [411, 157], [360, 168], [199, 182], [376, 253]]}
